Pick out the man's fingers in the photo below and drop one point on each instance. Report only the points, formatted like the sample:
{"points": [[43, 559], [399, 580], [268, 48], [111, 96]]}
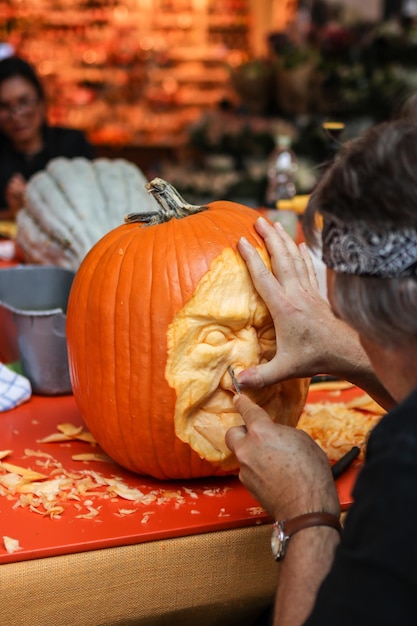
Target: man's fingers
{"points": [[288, 263], [262, 375], [249, 410], [263, 279], [233, 436]]}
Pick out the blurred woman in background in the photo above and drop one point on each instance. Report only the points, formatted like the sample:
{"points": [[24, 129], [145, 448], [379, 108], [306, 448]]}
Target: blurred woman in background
{"points": [[27, 142]]}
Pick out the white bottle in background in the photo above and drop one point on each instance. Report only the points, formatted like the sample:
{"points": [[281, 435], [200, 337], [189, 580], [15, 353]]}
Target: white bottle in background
{"points": [[282, 168]]}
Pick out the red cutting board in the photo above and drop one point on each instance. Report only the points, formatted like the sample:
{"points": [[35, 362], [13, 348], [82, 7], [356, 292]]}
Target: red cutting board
{"points": [[187, 507]]}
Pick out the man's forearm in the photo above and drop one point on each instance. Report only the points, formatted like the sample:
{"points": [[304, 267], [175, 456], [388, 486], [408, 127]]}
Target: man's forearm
{"points": [[307, 561], [347, 360]]}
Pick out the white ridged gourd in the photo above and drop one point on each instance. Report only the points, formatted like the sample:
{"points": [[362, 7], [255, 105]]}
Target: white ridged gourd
{"points": [[72, 203]]}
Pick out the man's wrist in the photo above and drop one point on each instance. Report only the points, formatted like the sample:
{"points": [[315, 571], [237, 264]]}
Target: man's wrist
{"points": [[283, 530], [308, 500]]}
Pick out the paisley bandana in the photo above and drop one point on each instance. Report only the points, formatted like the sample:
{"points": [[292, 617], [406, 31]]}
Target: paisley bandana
{"points": [[355, 249]]}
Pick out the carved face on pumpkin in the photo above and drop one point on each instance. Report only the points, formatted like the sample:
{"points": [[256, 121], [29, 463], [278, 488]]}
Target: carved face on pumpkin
{"points": [[213, 330]]}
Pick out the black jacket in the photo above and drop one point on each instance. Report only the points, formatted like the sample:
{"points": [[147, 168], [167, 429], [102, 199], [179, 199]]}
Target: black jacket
{"points": [[373, 580], [58, 141]]}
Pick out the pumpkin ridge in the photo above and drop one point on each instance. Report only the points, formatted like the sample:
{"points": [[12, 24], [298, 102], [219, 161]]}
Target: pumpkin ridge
{"points": [[105, 390], [158, 237], [189, 459], [122, 362], [105, 321], [230, 214], [102, 190], [99, 198], [186, 461], [44, 247], [58, 229], [107, 173], [202, 253], [126, 186], [85, 170], [67, 185], [134, 412], [136, 409]]}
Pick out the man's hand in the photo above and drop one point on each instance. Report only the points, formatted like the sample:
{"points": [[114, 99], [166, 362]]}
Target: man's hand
{"points": [[283, 468], [310, 339], [301, 315]]}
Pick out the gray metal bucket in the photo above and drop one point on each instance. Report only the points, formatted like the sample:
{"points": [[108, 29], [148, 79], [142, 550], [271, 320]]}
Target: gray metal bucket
{"points": [[33, 304]]}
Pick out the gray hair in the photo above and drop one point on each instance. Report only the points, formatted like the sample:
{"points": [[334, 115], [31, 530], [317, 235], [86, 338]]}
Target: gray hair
{"points": [[383, 309], [373, 181]]}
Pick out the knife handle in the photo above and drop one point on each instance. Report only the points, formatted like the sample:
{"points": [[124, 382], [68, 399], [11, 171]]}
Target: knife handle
{"points": [[344, 462]]}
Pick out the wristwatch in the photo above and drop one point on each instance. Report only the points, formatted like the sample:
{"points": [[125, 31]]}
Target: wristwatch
{"points": [[284, 529]]}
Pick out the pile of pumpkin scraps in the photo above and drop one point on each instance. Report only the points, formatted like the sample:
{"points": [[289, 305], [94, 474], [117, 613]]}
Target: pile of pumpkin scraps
{"points": [[49, 492], [338, 426], [50, 488]]}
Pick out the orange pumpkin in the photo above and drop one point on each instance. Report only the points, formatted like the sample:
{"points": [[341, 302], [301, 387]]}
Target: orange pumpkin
{"points": [[159, 308]]}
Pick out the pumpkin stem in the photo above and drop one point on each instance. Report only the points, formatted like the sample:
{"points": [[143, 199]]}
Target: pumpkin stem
{"points": [[172, 205]]}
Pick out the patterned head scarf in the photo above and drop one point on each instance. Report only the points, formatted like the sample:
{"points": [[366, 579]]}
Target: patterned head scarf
{"points": [[354, 248]]}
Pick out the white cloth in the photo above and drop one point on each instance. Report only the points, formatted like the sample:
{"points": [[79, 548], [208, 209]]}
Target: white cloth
{"points": [[14, 389], [7, 250]]}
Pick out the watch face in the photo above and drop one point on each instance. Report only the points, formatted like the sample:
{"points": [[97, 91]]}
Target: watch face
{"points": [[278, 541]]}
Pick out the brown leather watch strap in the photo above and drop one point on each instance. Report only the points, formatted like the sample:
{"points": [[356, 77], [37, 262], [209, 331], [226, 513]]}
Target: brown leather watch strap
{"points": [[284, 529], [307, 520]]}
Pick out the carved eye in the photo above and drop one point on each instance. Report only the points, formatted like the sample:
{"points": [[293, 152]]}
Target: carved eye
{"points": [[215, 338], [267, 333]]}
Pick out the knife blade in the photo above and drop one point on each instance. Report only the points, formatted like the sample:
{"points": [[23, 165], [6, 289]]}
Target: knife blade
{"points": [[234, 381]]}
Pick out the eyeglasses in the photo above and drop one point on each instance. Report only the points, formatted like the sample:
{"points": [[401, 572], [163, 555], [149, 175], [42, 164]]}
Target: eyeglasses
{"points": [[23, 106]]}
